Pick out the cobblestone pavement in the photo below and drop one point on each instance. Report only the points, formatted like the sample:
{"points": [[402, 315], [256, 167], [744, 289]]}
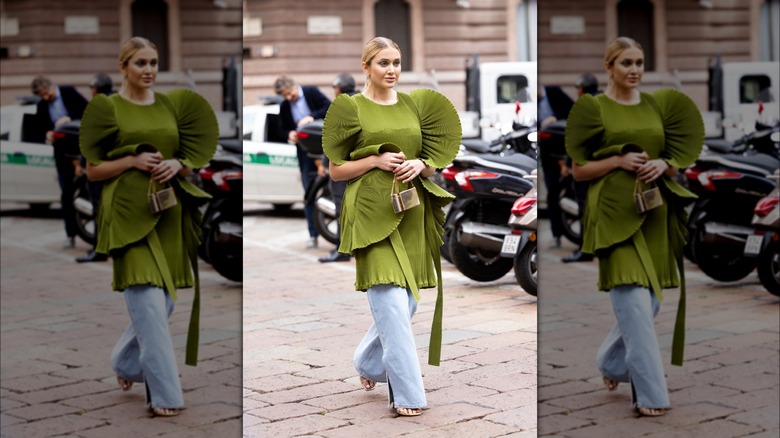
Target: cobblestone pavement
{"points": [[303, 320], [60, 321], [728, 387]]}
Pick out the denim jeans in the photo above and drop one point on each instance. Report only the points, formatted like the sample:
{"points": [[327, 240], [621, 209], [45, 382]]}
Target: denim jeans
{"points": [[630, 352], [144, 352], [387, 352]]}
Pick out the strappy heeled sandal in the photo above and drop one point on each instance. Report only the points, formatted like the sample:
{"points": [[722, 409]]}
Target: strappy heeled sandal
{"points": [[163, 412], [610, 384], [124, 384], [649, 412], [368, 385], [409, 412]]}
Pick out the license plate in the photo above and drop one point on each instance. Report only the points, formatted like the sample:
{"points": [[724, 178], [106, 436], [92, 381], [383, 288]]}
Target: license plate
{"points": [[752, 246], [511, 242]]}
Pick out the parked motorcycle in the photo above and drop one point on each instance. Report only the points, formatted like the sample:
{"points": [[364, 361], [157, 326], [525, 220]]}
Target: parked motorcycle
{"points": [[552, 142], [325, 215], [66, 139], [485, 186], [222, 229], [728, 185], [764, 244], [520, 245]]}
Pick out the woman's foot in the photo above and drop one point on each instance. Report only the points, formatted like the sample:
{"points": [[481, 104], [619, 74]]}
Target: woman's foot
{"points": [[650, 412], [124, 383], [409, 412], [610, 384], [368, 385]]}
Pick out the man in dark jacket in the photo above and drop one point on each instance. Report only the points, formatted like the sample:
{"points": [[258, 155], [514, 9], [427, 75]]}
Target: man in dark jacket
{"points": [[302, 105], [59, 105]]}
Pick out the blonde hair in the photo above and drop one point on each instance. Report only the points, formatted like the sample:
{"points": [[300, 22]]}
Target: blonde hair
{"points": [[373, 47], [615, 48], [132, 46]]}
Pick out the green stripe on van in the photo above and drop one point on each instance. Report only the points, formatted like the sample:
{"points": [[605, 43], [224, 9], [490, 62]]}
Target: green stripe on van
{"points": [[27, 160], [271, 160]]}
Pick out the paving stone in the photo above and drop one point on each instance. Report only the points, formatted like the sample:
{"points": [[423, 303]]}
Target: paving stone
{"points": [[295, 426]]}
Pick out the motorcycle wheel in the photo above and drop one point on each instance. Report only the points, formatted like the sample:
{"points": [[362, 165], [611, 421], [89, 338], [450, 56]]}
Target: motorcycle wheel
{"points": [[526, 268], [572, 227], [720, 262], [85, 223], [769, 269], [477, 264], [225, 250]]}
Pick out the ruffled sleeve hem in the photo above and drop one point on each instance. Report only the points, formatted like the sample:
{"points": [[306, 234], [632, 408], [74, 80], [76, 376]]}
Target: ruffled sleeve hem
{"points": [[198, 127], [683, 127], [340, 129], [98, 129], [440, 125], [610, 215], [125, 216], [583, 128]]}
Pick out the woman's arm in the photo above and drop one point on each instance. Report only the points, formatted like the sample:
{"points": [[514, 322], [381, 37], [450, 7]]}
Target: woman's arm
{"points": [[388, 161], [145, 161], [631, 162]]}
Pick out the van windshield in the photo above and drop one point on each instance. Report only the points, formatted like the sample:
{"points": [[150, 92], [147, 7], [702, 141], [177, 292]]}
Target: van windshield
{"points": [[512, 88]]}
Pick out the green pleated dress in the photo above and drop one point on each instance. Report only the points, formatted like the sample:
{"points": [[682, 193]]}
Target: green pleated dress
{"points": [[159, 249], [394, 248], [642, 249]]}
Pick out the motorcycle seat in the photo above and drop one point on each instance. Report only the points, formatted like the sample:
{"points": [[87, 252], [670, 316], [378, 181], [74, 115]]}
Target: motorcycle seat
{"points": [[232, 145], [760, 164], [476, 145], [719, 145], [519, 161]]}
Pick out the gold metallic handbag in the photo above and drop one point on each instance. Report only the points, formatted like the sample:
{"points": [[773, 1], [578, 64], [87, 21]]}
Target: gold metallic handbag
{"points": [[648, 199], [162, 199], [403, 200]]}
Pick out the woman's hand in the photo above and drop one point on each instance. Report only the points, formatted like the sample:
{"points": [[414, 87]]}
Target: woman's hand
{"points": [[408, 170], [146, 161], [389, 161], [652, 170], [632, 161], [165, 170]]}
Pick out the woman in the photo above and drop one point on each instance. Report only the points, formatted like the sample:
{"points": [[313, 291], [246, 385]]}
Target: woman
{"points": [[139, 143], [627, 143], [379, 139]]}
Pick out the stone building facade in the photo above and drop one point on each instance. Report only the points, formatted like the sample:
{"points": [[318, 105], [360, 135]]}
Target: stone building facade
{"points": [[71, 41], [315, 41], [680, 37]]}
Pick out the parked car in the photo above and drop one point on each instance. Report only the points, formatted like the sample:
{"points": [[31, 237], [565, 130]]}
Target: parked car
{"points": [[271, 172], [27, 171]]}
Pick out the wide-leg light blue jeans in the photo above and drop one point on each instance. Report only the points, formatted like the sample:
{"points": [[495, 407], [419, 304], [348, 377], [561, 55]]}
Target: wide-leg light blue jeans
{"points": [[144, 352], [387, 352], [630, 352]]}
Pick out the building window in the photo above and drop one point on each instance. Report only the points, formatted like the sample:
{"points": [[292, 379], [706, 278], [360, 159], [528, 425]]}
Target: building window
{"points": [[150, 20], [770, 30], [391, 19], [635, 20]]}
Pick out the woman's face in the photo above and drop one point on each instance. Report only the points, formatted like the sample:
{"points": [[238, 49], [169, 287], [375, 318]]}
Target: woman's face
{"points": [[627, 69], [385, 68], [141, 68]]}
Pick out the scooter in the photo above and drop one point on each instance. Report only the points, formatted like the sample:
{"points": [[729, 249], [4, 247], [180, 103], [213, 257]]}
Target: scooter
{"points": [[728, 185], [66, 140], [318, 193], [485, 186], [764, 244], [222, 226], [520, 245]]}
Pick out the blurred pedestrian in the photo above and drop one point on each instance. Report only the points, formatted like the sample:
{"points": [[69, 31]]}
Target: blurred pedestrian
{"points": [[101, 83], [59, 105], [142, 144], [302, 105], [343, 84], [628, 145], [381, 139]]}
